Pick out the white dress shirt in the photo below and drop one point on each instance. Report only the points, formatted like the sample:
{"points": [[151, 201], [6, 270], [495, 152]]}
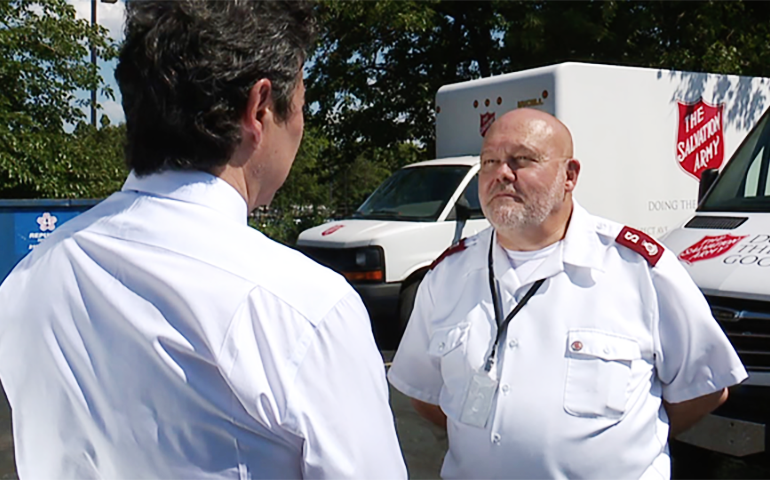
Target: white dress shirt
{"points": [[582, 369], [158, 336]]}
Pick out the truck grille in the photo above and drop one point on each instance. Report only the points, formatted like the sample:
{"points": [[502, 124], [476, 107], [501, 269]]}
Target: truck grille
{"points": [[721, 223], [335, 258], [747, 325]]}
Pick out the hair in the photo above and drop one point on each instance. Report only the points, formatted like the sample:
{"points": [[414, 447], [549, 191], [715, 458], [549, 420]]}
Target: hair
{"points": [[186, 68]]}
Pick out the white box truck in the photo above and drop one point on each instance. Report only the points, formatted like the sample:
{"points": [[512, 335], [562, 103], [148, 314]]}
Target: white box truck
{"points": [[725, 246], [643, 136]]}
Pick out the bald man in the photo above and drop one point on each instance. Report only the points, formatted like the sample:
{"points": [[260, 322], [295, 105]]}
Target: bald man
{"points": [[557, 344]]}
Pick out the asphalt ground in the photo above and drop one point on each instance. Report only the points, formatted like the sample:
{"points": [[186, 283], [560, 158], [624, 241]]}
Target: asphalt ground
{"points": [[424, 446]]}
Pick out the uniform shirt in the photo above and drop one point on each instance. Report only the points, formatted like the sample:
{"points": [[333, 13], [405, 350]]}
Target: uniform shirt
{"points": [[582, 368], [158, 336]]}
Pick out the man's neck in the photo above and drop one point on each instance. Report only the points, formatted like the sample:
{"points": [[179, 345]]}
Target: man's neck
{"points": [[539, 236], [236, 173]]}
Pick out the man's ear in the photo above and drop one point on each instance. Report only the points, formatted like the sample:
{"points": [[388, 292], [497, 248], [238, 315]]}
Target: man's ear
{"points": [[258, 110], [573, 171]]}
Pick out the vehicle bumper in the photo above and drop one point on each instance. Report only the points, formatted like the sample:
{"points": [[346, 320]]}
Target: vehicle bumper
{"points": [[737, 428], [381, 300]]}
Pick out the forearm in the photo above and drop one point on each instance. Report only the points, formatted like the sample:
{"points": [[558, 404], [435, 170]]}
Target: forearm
{"points": [[432, 413], [683, 415]]}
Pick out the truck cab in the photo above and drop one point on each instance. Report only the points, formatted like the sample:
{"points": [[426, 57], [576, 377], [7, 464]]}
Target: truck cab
{"points": [[725, 247], [387, 245]]}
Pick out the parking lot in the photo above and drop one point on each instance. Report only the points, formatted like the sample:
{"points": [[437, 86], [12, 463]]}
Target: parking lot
{"points": [[424, 446]]}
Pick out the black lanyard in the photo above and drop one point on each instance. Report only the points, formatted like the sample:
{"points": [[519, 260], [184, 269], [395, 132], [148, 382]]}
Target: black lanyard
{"points": [[496, 303]]}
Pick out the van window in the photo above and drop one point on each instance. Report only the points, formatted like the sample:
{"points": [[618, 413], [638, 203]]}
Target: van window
{"points": [[744, 184], [413, 194], [470, 195]]}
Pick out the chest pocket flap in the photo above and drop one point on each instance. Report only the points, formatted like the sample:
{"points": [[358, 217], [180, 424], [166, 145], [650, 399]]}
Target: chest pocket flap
{"points": [[598, 373], [446, 339], [602, 345]]}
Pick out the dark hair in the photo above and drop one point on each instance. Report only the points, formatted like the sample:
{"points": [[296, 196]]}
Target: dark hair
{"points": [[186, 68]]}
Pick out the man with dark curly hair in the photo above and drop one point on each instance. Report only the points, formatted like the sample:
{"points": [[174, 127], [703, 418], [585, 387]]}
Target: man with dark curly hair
{"points": [[158, 335]]}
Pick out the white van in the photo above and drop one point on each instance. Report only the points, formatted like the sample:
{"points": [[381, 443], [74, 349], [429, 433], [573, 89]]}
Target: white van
{"points": [[643, 136], [725, 247]]}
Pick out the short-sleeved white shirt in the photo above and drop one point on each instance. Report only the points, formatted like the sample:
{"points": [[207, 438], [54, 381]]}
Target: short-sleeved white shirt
{"points": [[158, 336], [582, 368]]}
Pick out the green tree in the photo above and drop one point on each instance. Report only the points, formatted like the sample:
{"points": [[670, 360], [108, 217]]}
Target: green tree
{"points": [[379, 63], [43, 62]]}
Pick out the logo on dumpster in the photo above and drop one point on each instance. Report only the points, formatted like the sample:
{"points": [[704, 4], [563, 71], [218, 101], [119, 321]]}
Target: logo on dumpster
{"points": [[47, 222], [709, 247]]}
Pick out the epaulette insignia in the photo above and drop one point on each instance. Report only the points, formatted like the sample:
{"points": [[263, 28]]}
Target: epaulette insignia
{"points": [[641, 243], [458, 247]]}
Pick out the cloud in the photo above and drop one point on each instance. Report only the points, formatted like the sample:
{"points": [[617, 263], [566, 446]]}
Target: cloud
{"points": [[114, 111], [109, 15]]}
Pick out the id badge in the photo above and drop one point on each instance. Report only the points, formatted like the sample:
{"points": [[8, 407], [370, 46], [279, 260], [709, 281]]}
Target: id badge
{"points": [[478, 400]]}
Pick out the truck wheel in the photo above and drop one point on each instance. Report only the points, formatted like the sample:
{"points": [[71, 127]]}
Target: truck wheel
{"points": [[405, 305]]}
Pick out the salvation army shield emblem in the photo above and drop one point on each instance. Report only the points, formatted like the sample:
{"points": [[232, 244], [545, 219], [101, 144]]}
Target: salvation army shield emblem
{"points": [[700, 142], [708, 247], [486, 121]]}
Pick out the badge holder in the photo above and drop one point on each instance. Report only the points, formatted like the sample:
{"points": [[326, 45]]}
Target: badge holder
{"points": [[478, 400]]}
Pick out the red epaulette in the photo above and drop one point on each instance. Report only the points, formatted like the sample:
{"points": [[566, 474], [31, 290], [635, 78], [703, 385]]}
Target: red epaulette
{"points": [[458, 247], [641, 243]]}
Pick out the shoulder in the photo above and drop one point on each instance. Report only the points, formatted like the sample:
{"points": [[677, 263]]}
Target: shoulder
{"points": [[464, 251], [301, 283], [629, 238], [641, 243]]}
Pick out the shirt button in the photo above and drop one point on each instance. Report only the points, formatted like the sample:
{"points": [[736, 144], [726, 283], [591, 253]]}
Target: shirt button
{"points": [[513, 343], [496, 439], [441, 346], [506, 388], [577, 346], [606, 350]]}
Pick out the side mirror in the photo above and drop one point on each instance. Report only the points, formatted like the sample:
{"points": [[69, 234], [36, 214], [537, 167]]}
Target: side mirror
{"points": [[707, 179], [462, 210], [462, 214]]}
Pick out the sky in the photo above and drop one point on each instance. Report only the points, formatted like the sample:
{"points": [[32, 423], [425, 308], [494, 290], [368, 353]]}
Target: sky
{"points": [[110, 16]]}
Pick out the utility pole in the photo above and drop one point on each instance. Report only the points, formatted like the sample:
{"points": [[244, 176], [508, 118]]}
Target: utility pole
{"points": [[93, 58], [93, 63]]}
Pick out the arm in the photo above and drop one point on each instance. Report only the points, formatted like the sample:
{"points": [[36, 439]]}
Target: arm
{"points": [[430, 412], [694, 360], [683, 415], [339, 401]]}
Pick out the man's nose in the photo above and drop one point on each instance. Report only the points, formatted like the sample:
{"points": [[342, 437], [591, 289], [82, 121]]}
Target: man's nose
{"points": [[506, 173]]}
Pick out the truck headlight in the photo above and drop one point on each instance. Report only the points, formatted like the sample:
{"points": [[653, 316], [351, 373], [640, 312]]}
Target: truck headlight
{"points": [[368, 265]]}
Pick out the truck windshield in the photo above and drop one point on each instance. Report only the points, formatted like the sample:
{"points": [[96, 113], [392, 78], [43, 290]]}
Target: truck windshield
{"points": [[744, 184], [413, 194]]}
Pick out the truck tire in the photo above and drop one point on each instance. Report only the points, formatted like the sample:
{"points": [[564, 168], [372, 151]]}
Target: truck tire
{"points": [[405, 305]]}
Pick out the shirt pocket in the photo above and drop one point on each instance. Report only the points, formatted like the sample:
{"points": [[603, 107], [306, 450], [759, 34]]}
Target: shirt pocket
{"points": [[449, 346], [598, 373]]}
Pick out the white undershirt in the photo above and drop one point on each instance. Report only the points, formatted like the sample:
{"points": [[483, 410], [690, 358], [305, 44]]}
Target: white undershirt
{"points": [[525, 263]]}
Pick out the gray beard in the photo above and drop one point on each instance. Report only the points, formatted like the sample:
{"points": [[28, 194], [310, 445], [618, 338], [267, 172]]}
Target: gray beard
{"points": [[513, 217]]}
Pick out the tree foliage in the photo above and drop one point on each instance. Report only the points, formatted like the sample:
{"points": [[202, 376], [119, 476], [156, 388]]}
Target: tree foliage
{"points": [[371, 83], [44, 61], [379, 64]]}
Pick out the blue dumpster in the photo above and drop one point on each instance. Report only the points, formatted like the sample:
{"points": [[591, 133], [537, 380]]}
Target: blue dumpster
{"points": [[26, 223]]}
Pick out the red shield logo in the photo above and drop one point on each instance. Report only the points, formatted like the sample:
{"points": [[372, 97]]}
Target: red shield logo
{"points": [[486, 121], [709, 247], [700, 143], [331, 230]]}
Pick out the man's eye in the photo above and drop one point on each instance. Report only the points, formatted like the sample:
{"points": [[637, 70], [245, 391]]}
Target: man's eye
{"points": [[522, 160]]}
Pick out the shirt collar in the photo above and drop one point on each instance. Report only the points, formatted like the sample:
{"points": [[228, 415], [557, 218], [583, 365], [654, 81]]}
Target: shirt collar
{"points": [[581, 246], [192, 186]]}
